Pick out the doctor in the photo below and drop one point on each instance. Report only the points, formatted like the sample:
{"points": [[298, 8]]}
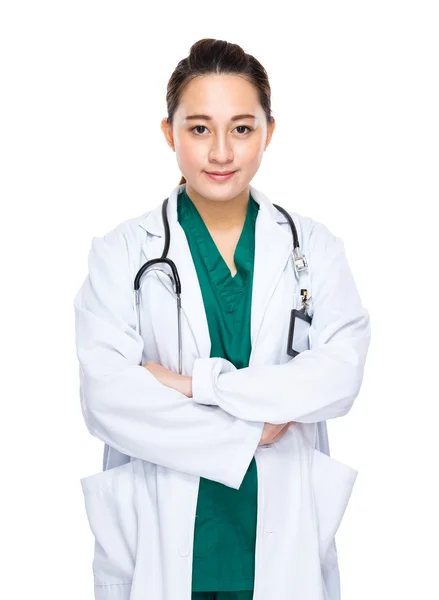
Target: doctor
{"points": [[217, 482]]}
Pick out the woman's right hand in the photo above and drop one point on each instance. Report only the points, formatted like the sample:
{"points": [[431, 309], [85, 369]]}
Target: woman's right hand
{"points": [[273, 433]]}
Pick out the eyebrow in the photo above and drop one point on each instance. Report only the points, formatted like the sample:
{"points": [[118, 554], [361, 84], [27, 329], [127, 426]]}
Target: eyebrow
{"points": [[208, 118]]}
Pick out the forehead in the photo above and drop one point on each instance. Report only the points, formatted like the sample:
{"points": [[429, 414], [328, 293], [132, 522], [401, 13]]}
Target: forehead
{"points": [[219, 95]]}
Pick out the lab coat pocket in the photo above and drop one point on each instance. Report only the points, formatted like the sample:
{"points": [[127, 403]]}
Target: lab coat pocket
{"points": [[112, 515], [332, 483]]}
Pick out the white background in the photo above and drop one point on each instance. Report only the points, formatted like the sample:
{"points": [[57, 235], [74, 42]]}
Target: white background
{"points": [[355, 95]]}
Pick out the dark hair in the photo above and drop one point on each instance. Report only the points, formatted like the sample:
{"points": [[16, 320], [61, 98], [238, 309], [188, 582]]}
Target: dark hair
{"points": [[210, 56]]}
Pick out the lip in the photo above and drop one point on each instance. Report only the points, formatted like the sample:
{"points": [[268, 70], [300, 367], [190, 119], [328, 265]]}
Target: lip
{"points": [[220, 176]]}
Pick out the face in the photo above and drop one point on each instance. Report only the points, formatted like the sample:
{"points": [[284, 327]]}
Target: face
{"points": [[219, 126]]}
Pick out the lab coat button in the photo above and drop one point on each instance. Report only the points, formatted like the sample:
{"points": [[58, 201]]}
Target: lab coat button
{"points": [[183, 551]]}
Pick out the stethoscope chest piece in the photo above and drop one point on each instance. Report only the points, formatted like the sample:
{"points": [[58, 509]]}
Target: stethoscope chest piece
{"points": [[299, 261]]}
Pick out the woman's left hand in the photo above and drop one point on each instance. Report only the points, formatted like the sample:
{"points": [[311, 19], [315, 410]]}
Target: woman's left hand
{"points": [[180, 383]]}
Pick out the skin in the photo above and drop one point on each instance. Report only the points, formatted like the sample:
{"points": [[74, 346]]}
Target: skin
{"points": [[218, 144]]}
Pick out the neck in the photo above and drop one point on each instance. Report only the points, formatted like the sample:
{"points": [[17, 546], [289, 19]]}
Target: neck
{"points": [[221, 215]]}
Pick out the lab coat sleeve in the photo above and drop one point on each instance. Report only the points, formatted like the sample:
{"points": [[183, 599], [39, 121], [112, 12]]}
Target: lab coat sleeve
{"points": [[123, 404], [318, 384]]}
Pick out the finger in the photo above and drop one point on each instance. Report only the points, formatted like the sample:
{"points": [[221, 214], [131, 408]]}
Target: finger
{"points": [[279, 434], [276, 438]]}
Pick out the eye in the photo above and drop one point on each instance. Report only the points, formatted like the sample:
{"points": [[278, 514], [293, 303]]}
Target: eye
{"points": [[204, 127], [198, 127], [245, 127]]}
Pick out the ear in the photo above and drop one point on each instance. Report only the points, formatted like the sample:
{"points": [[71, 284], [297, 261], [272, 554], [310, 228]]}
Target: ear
{"points": [[167, 132], [270, 130]]}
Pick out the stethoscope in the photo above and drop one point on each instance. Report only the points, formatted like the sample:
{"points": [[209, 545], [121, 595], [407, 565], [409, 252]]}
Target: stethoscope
{"points": [[300, 266]]}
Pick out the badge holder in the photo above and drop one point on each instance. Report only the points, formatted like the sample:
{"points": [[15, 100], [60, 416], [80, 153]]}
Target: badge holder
{"points": [[298, 334], [300, 320]]}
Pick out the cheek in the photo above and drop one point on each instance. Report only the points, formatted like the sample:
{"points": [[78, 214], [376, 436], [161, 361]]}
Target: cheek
{"points": [[189, 154], [249, 157], [251, 151]]}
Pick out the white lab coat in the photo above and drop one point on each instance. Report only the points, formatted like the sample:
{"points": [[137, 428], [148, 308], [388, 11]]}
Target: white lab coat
{"points": [[158, 442]]}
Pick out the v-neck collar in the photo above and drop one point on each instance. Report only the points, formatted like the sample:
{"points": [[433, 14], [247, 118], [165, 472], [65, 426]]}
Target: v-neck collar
{"points": [[231, 288]]}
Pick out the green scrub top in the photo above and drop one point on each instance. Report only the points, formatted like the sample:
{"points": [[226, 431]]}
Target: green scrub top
{"points": [[225, 522]]}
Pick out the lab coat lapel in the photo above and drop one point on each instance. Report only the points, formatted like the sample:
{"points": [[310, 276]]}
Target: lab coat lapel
{"points": [[192, 304], [273, 248]]}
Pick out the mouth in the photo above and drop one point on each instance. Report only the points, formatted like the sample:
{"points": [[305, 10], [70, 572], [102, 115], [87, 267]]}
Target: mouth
{"points": [[220, 175]]}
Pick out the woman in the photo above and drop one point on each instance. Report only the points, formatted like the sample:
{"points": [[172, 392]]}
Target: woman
{"points": [[217, 481]]}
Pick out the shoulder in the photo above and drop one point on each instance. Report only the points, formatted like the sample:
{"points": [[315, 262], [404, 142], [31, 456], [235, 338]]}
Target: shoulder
{"points": [[120, 246], [126, 232], [315, 238]]}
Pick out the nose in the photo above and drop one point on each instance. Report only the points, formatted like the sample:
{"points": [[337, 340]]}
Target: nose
{"points": [[221, 150]]}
